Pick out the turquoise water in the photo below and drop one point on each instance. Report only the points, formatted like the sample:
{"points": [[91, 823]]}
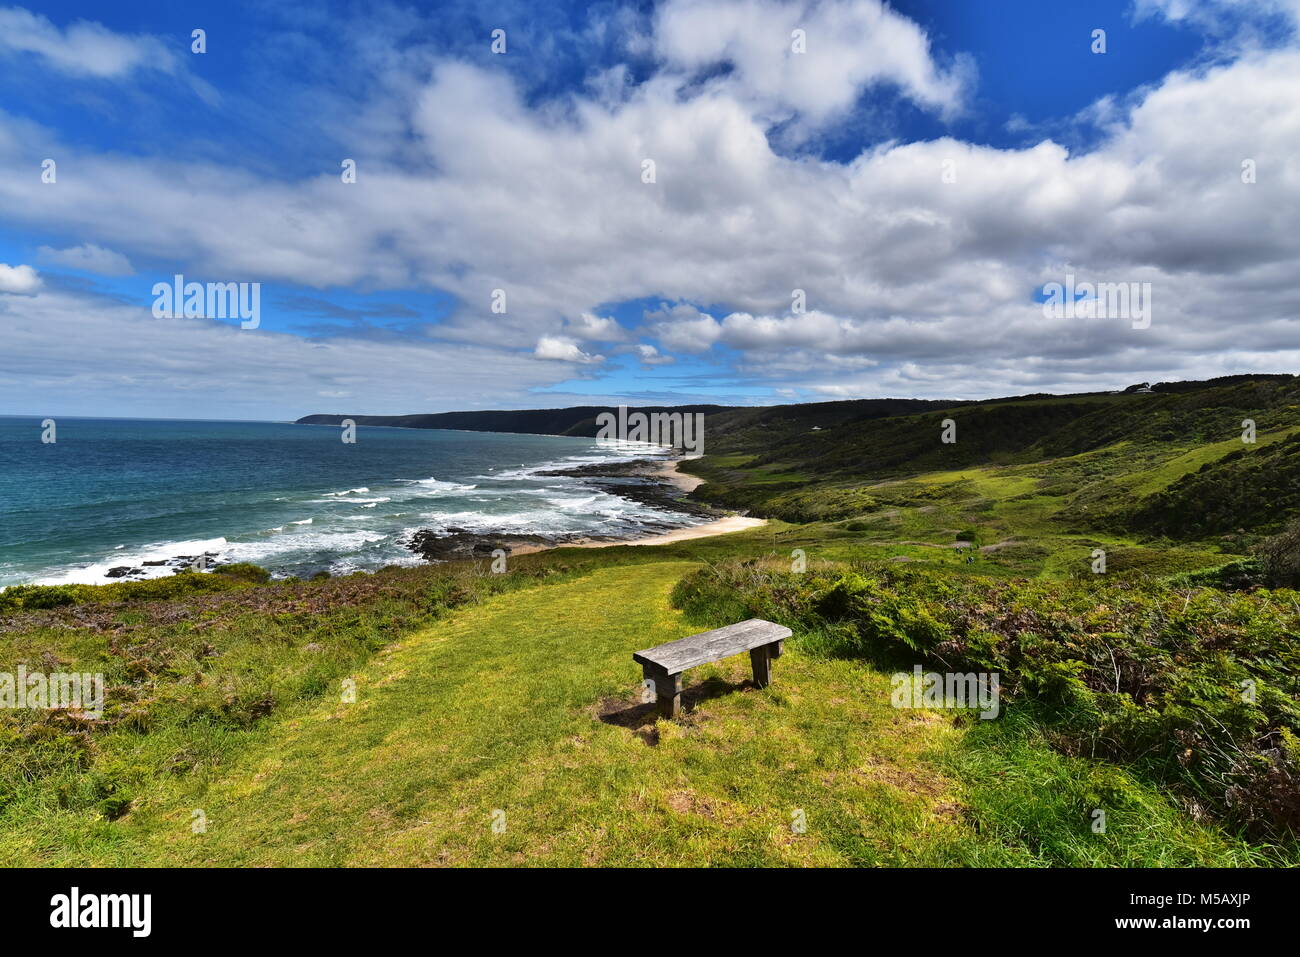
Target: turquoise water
{"points": [[292, 498]]}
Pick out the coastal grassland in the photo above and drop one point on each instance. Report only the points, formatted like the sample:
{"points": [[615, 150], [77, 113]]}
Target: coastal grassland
{"points": [[1144, 467], [196, 666], [1189, 688], [498, 709], [1154, 508], [522, 699]]}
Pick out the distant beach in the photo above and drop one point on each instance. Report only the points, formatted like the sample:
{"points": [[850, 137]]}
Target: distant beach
{"points": [[669, 473]]}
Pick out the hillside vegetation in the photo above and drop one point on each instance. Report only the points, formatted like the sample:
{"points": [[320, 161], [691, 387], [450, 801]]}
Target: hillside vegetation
{"points": [[1169, 464]]}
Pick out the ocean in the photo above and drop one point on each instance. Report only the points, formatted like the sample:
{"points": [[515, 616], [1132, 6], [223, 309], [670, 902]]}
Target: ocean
{"points": [[294, 499]]}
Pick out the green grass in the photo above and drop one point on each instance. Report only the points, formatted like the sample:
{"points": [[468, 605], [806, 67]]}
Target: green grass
{"points": [[1153, 480], [498, 706], [1145, 673], [1028, 800]]}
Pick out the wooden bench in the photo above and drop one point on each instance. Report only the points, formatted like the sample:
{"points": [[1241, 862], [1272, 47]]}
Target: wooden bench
{"points": [[664, 665]]}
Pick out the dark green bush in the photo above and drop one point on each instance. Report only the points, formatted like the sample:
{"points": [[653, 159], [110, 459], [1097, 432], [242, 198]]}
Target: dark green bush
{"points": [[38, 596], [1241, 574], [1279, 557], [245, 572]]}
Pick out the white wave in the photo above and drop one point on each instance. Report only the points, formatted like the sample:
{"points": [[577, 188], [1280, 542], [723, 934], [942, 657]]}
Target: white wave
{"points": [[96, 573], [573, 504], [508, 499], [440, 486], [302, 545]]}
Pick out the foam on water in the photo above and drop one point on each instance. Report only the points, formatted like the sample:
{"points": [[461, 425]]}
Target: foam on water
{"points": [[96, 573], [297, 526]]}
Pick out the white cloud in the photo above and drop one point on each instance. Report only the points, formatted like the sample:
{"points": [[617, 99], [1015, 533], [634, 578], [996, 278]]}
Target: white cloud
{"points": [[75, 354], [566, 350], [90, 258], [683, 328], [850, 45], [651, 356], [83, 48], [1213, 12], [19, 280], [595, 328]]}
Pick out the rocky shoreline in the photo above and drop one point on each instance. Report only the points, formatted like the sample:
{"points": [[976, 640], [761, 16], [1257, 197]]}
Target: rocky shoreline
{"points": [[177, 563], [641, 481], [459, 543]]}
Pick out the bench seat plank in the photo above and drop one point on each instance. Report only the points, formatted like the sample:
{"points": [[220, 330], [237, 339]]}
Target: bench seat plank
{"points": [[676, 656]]}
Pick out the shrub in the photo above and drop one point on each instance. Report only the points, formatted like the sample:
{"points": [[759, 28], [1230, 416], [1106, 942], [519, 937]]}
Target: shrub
{"points": [[38, 596], [1234, 576], [245, 572], [223, 578], [1279, 557]]}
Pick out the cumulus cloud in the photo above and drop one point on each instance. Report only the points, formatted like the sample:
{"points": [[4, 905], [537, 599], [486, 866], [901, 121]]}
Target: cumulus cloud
{"points": [[848, 45], [565, 350], [90, 258], [595, 328], [651, 356], [683, 328], [19, 280]]}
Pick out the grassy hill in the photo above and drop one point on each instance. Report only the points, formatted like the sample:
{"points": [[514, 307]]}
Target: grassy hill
{"points": [[1096, 462]]}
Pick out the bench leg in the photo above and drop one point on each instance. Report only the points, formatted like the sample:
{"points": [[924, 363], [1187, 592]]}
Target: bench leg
{"points": [[668, 692], [761, 659]]}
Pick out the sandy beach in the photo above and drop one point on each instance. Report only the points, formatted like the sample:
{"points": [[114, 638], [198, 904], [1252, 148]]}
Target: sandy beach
{"points": [[687, 483], [734, 523]]}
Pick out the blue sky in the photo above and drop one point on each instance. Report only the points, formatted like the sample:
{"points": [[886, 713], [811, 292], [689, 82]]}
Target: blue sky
{"points": [[918, 171]]}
